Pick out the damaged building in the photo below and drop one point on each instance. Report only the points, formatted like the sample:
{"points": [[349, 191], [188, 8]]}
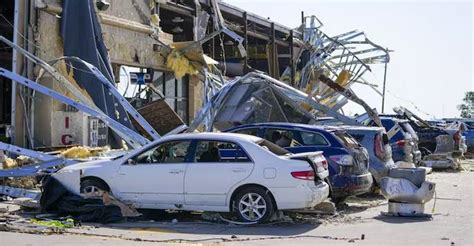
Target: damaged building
{"points": [[135, 34]]}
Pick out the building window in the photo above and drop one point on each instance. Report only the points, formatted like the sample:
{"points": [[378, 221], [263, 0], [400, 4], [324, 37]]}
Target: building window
{"points": [[175, 92]]}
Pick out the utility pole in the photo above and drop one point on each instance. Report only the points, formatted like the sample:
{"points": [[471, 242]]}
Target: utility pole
{"points": [[384, 82]]}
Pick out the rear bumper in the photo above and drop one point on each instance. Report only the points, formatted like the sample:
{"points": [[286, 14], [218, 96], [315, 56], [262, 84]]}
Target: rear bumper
{"points": [[302, 196], [344, 186]]}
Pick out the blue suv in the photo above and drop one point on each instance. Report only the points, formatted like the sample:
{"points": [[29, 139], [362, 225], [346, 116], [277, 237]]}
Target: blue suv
{"points": [[348, 161]]}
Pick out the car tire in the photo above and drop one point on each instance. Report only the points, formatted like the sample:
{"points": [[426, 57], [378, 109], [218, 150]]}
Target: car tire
{"points": [[92, 185], [253, 204], [338, 200]]}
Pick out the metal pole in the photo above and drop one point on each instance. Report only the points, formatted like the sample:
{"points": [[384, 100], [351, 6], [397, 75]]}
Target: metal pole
{"points": [[292, 62], [273, 71], [384, 82], [246, 44], [14, 69]]}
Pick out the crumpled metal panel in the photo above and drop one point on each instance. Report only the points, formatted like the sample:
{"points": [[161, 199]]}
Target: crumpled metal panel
{"points": [[254, 100], [402, 190]]}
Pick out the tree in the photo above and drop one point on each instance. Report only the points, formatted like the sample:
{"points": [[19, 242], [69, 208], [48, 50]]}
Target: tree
{"points": [[467, 108]]}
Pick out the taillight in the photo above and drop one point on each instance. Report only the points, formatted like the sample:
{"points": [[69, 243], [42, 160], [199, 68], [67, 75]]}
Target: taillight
{"points": [[378, 148], [343, 160], [325, 164], [400, 143], [304, 175]]}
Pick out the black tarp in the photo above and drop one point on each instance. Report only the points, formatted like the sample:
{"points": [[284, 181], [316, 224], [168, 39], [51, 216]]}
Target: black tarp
{"points": [[55, 198], [82, 37]]}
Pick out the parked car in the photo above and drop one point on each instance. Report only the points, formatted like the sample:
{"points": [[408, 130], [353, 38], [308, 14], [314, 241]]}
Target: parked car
{"points": [[375, 140], [211, 172], [402, 138], [468, 132], [425, 132], [348, 160]]}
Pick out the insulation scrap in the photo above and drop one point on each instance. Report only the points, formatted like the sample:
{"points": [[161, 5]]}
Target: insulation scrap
{"points": [[22, 182], [180, 64], [21, 160], [9, 163], [82, 152]]}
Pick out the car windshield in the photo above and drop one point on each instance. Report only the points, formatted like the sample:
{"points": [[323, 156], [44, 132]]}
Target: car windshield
{"points": [[346, 139], [275, 149]]}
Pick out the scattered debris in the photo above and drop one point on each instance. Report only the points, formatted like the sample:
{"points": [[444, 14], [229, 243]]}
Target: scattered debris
{"points": [[68, 223], [407, 192]]}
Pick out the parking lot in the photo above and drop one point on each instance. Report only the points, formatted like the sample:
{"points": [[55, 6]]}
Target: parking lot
{"points": [[359, 221]]}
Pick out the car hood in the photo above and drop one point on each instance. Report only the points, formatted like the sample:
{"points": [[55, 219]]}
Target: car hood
{"points": [[87, 165]]}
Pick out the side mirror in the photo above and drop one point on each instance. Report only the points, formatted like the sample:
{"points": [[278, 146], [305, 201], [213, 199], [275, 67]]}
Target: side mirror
{"points": [[131, 162]]}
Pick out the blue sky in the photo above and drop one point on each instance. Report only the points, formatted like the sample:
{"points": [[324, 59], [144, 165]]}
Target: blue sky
{"points": [[432, 65]]}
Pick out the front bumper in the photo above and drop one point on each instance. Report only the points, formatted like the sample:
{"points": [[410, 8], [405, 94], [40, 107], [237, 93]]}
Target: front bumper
{"points": [[350, 185]]}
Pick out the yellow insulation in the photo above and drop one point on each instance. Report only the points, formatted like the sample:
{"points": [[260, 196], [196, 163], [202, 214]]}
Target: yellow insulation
{"points": [[82, 152], [181, 66], [9, 163]]}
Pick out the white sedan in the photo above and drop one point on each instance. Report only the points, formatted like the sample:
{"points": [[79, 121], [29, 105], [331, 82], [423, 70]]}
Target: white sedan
{"points": [[219, 172]]}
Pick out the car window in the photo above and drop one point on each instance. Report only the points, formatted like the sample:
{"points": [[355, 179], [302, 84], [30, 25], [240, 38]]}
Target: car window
{"points": [[219, 151], [312, 138], [281, 137], [248, 131], [170, 152], [275, 149]]}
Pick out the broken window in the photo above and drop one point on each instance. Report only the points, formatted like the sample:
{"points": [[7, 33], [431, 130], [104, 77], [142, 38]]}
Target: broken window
{"points": [[312, 138], [281, 137], [175, 92], [219, 151], [170, 152]]}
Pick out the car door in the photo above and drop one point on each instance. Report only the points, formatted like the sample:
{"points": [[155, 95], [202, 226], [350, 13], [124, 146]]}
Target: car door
{"points": [[216, 167], [154, 178]]}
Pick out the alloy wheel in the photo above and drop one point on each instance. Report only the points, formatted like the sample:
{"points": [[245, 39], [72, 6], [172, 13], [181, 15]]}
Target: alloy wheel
{"points": [[252, 206]]}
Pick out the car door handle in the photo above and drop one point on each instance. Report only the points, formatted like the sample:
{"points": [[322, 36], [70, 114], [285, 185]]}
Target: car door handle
{"points": [[239, 170], [176, 171]]}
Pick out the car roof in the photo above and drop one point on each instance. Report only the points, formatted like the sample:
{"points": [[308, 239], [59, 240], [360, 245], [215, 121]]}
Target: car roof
{"points": [[222, 136], [362, 128], [291, 125]]}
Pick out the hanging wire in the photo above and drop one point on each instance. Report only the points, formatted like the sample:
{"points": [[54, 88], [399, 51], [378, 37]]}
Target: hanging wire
{"points": [[411, 103], [18, 33]]}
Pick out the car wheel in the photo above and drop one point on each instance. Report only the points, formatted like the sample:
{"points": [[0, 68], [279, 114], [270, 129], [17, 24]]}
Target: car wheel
{"points": [[92, 186], [338, 200], [253, 204]]}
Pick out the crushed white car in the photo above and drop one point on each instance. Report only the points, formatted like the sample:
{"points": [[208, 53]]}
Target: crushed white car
{"points": [[222, 172]]}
